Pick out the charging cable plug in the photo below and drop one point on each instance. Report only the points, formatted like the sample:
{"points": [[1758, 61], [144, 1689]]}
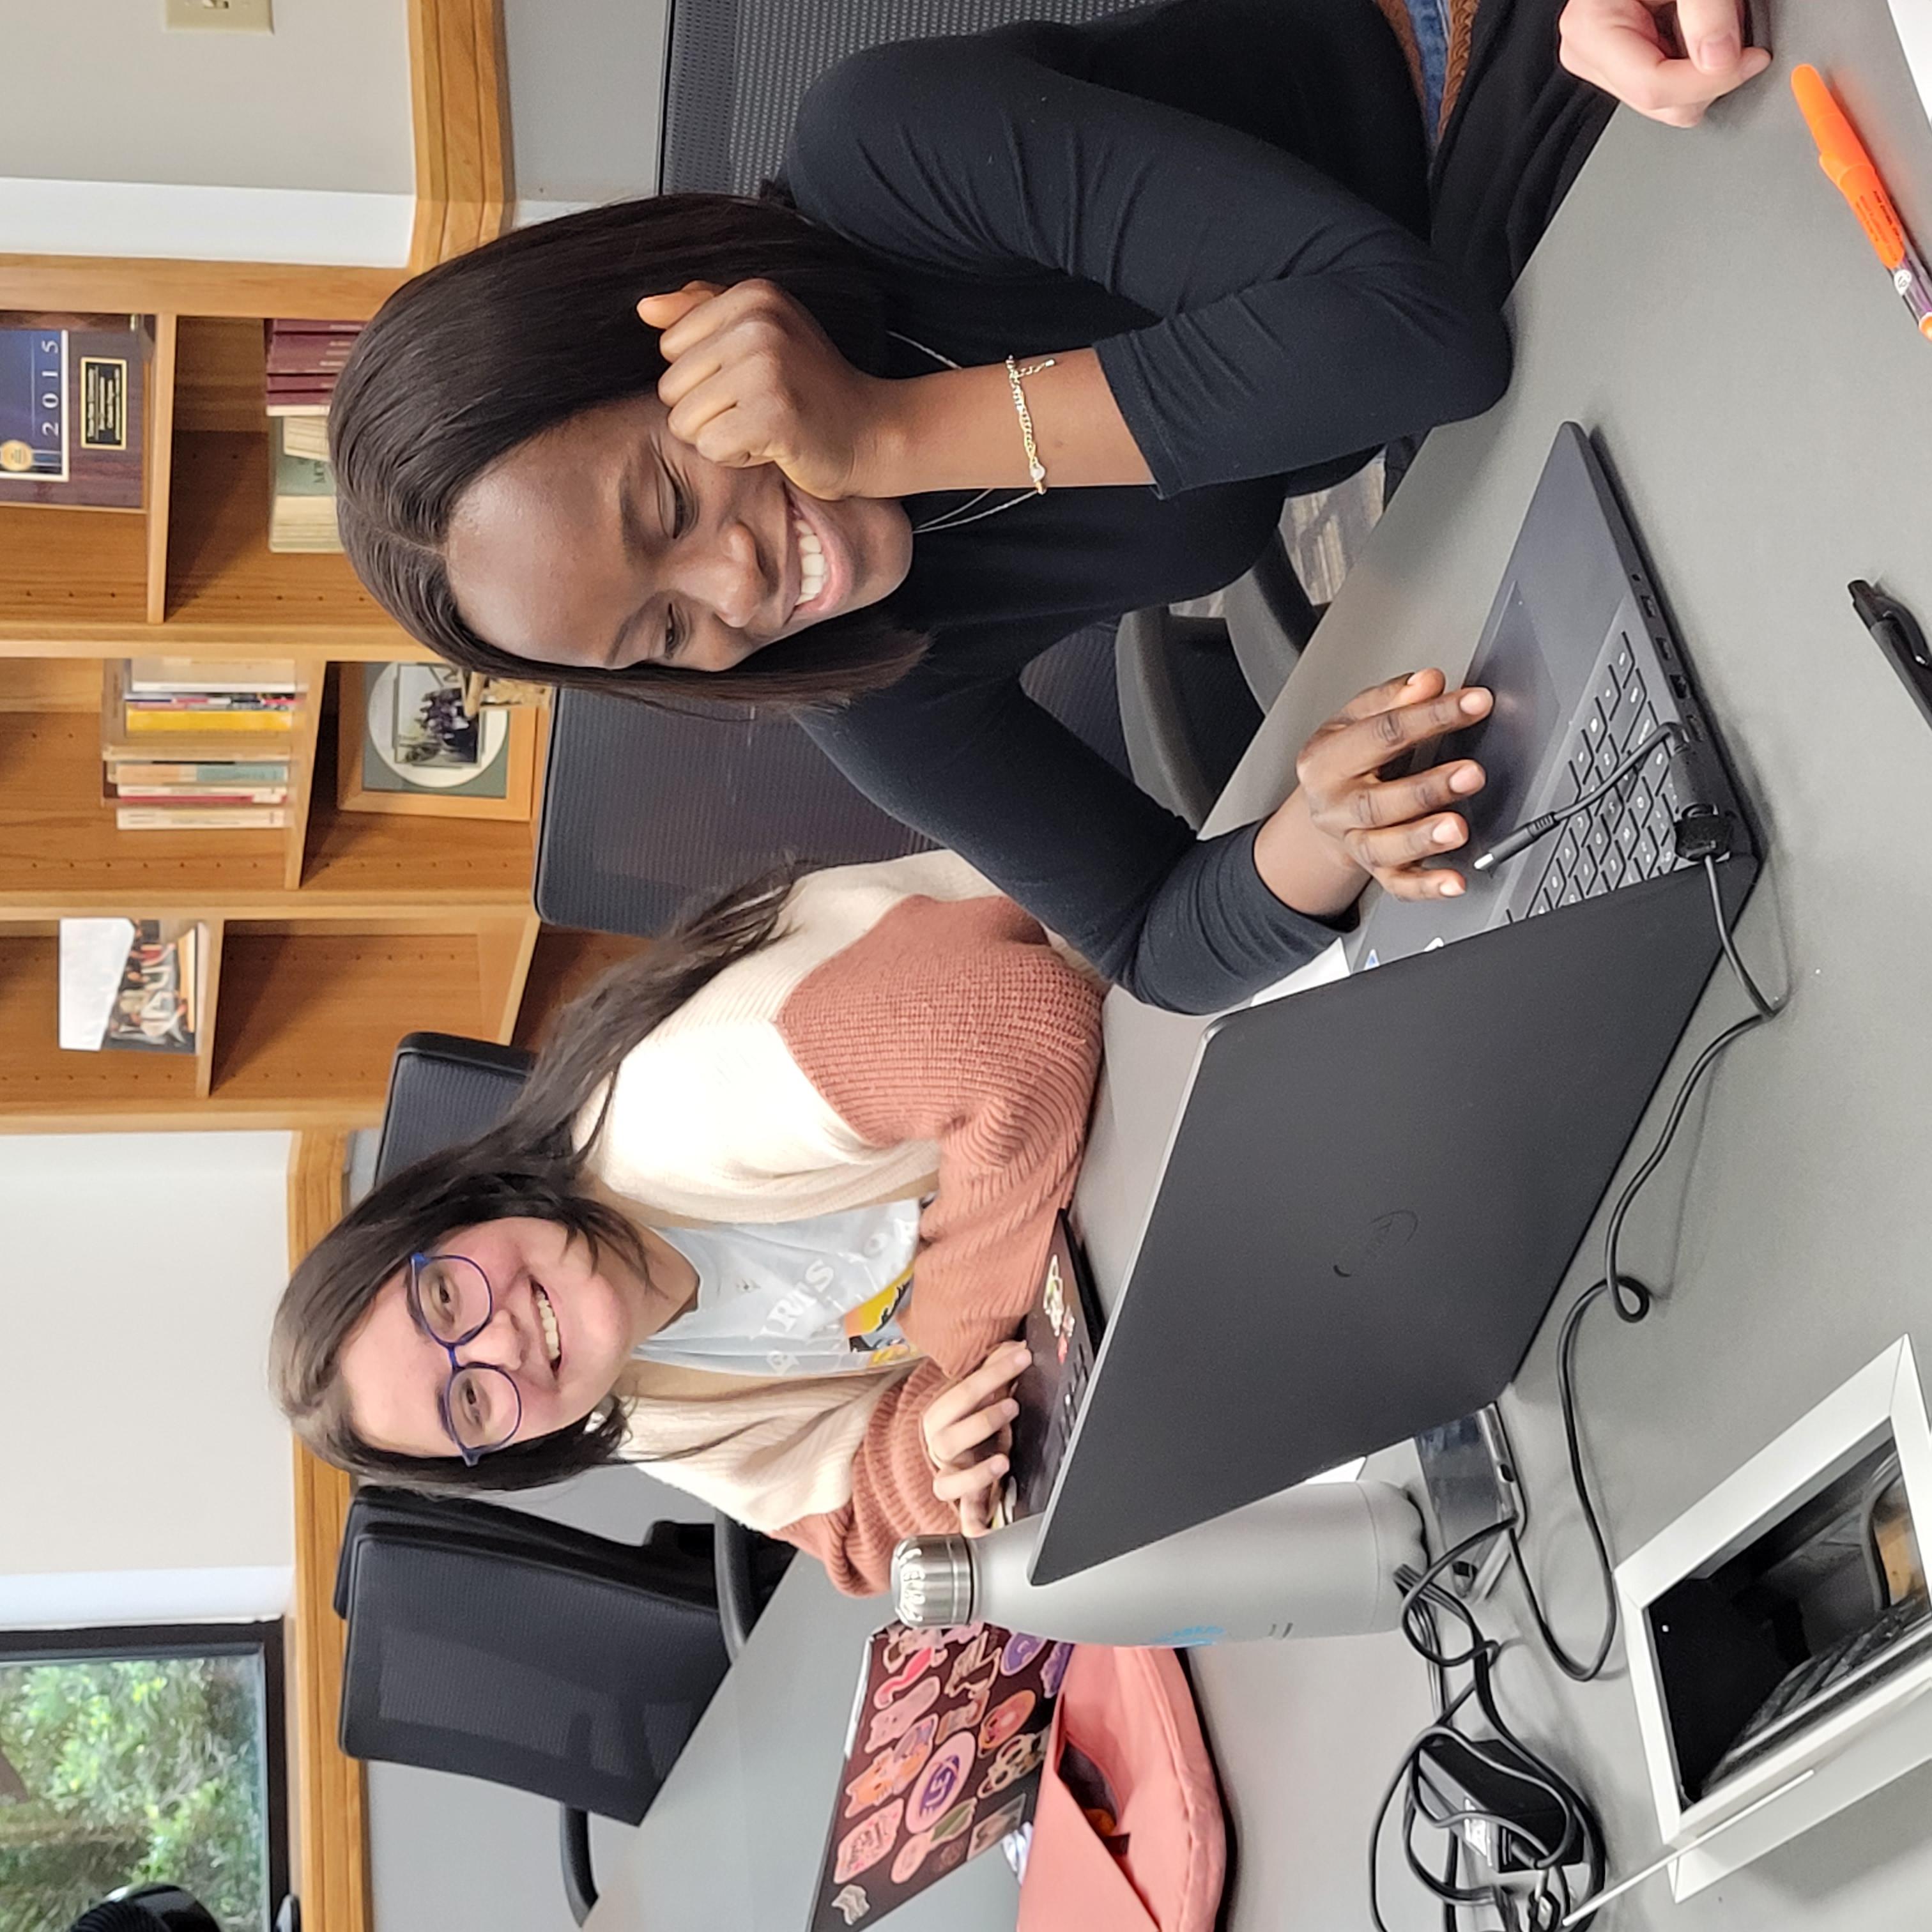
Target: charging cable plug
{"points": [[1702, 831], [1520, 840]]}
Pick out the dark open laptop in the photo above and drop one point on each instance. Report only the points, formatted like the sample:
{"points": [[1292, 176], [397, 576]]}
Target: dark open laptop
{"points": [[1372, 1190]]}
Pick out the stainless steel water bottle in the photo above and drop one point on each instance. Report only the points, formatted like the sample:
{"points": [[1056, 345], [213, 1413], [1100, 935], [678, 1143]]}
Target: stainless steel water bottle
{"points": [[1318, 1561]]}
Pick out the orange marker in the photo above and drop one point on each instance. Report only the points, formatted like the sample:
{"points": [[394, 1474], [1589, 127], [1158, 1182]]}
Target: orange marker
{"points": [[1843, 157]]}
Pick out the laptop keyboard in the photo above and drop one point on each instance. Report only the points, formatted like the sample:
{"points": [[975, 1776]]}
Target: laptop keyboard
{"points": [[1629, 834]]}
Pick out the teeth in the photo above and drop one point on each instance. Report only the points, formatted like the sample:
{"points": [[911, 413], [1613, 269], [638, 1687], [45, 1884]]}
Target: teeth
{"points": [[810, 562], [547, 1314]]}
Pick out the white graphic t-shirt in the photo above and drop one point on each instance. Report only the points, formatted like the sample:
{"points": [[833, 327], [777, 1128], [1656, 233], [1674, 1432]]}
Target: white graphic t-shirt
{"points": [[811, 1298]]}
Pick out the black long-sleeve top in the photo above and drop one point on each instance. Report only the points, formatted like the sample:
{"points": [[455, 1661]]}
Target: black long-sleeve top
{"points": [[1225, 199]]}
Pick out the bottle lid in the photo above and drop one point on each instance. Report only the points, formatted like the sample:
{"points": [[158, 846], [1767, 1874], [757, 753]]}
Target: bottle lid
{"points": [[932, 1581]]}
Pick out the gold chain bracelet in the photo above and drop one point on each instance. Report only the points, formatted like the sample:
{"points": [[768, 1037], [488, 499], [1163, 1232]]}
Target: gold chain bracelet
{"points": [[1016, 373]]}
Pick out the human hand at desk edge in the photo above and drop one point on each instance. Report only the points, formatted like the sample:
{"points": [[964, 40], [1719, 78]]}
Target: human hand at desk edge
{"points": [[1669, 62], [1345, 822], [968, 1429]]}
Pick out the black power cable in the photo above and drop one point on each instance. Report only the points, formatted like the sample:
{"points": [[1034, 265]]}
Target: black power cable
{"points": [[1579, 1842]]}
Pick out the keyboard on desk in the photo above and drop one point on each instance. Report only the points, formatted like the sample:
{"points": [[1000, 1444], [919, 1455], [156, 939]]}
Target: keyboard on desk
{"points": [[1629, 834]]}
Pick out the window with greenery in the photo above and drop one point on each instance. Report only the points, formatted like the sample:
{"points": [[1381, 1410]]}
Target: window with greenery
{"points": [[138, 1754]]}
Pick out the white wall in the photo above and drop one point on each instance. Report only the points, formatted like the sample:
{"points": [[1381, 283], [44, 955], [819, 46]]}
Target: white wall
{"points": [[137, 1440], [119, 138], [97, 91], [585, 82]]}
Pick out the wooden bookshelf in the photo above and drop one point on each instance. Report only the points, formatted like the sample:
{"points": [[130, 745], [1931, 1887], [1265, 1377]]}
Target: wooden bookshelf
{"points": [[326, 941]]}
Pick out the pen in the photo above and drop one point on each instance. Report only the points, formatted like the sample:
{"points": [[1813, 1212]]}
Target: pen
{"points": [[1843, 157], [1899, 637]]}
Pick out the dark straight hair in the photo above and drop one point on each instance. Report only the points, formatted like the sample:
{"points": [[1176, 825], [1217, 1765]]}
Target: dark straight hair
{"points": [[475, 357], [532, 1164]]}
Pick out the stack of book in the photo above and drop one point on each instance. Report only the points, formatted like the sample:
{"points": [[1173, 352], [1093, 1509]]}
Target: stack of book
{"points": [[304, 359], [190, 745]]}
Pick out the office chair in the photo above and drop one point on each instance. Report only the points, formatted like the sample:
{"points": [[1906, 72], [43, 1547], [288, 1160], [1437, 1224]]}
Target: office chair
{"points": [[443, 1089], [497, 1645], [148, 1908]]}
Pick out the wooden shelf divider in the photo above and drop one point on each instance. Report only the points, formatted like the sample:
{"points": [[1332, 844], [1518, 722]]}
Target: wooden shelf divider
{"points": [[160, 460], [208, 1005]]}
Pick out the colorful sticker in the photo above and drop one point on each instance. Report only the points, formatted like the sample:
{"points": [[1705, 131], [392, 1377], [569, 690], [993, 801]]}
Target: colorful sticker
{"points": [[1006, 1720], [955, 1821], [1054, 1668], [851, 1904], [942, 1782], [916, 1667], [898, 1719], [966, 1717], [1016, 1757], [991, 1829], [1020, 1650], [946, 1856], [969, 1661], [867, 1843], [912, 1855], [893, 1769]]}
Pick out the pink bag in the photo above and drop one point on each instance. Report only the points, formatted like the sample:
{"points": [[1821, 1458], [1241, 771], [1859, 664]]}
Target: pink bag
{"points": [[1126, 1751]]}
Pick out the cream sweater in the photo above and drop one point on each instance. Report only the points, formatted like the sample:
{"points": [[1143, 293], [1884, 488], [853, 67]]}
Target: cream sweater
{"points": [[906, 1031]]}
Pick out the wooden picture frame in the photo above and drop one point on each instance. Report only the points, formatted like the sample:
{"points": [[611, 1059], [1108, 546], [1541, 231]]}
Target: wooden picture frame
{"points": [[355, 792]]}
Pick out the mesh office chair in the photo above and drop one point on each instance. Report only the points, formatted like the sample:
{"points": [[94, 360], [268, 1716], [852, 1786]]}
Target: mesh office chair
{"points": [[493, 1644]]}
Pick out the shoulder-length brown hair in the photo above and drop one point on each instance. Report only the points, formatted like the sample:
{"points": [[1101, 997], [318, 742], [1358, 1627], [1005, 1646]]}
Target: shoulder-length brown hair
{"points": [[480, 353], [532, 1165]]}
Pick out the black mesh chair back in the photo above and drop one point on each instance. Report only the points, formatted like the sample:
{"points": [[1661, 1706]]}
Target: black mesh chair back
{"points": [[444, 1090], [528, 1654], [647, 812], [739, 69]]}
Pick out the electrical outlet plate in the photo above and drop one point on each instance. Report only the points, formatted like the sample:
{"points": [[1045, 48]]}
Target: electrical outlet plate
{"points": [[220, 16]]}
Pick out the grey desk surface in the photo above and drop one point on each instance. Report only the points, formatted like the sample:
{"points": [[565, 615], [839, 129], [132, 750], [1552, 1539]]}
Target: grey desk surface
{"points": [[1705, 302]]}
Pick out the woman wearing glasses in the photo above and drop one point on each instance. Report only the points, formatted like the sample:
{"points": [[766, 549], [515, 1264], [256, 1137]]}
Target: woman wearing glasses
{"points": [[1043, 327], [694, 1240]]}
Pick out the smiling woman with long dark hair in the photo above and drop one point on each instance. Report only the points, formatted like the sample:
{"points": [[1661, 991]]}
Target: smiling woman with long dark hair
{"points": [[1040, 327]]}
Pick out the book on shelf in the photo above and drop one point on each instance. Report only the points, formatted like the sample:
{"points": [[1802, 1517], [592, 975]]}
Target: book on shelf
{"points": [[144, 773], [134, 732], [168, 677], [215, 700], [125, 793], [72, 409], [301, 510], [131, 986], [200, 817], [159, 721], [308, 355], [306, 436]]}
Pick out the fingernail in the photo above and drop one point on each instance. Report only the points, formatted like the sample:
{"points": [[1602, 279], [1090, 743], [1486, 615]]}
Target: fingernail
{"points": [[1716, 53], [1417, 677], [1445, 832], [1452, 886], [1473, 701], [1021, 1353], [1467, 778], [999, 1465]]}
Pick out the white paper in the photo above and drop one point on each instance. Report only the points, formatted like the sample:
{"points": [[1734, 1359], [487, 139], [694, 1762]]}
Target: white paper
{"points": [[1913, 19], [92, 953], [1326, 967]]}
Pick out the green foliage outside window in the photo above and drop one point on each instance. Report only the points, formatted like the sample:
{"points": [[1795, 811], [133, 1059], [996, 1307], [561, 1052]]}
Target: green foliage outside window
{"points": [[129, 1769]]}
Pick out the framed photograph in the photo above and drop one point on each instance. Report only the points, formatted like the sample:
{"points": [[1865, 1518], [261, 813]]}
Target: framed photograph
{"points": [[407, 742]]}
